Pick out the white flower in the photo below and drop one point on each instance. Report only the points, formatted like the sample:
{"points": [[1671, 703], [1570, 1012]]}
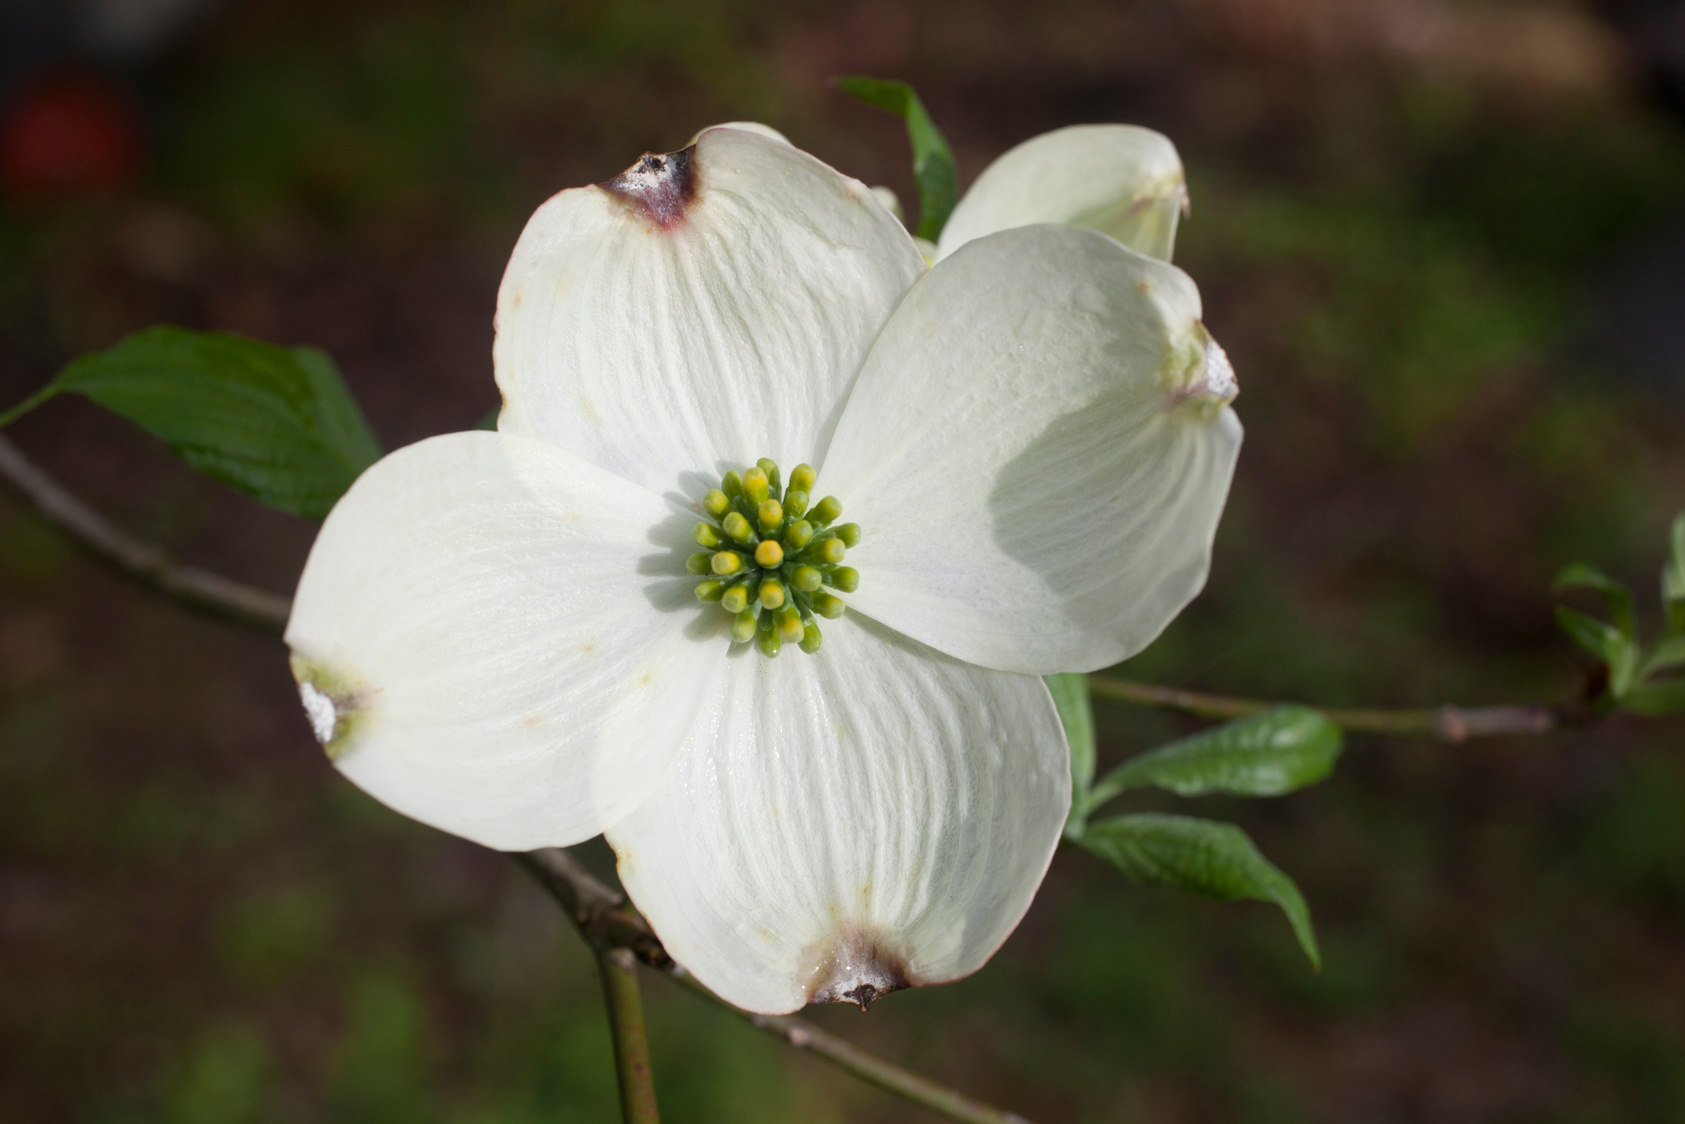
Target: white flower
{"points": [[497, 634]]}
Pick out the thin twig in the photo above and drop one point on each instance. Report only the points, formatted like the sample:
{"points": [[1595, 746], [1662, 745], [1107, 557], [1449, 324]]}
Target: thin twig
{"points": [[139, 559], [602, 915], [631, 1043], [863, 1064], [619, 937], [1454, 724]]}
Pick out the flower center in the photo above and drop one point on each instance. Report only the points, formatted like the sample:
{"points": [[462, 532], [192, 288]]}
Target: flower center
{"points": [[771, 558]]}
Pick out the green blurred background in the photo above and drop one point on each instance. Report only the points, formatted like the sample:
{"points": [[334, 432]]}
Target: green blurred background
{"points": [[1444, 243]]}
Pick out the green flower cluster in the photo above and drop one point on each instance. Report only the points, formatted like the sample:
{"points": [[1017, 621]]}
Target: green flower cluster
{"points": [[770, 559]]}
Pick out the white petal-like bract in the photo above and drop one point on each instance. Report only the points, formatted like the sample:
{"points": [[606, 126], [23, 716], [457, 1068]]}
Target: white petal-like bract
{"points": [[1120, 179], [705, 309], [747, 127], [1037, 450], [837, 827], [499, 631]]}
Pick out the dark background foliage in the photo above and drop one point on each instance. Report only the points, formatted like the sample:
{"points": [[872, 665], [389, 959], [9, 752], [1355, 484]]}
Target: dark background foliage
{"points": [[1444, 242]]}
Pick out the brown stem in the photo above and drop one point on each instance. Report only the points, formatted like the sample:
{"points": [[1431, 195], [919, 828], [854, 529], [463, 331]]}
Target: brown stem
{"points": [[1452, 724], [863, 1064], [599, 912], [619, 969], [136, 558], [604, 917]]}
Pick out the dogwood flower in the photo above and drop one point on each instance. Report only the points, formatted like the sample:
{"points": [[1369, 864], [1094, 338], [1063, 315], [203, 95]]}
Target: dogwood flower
{"points": [[513, 636]]}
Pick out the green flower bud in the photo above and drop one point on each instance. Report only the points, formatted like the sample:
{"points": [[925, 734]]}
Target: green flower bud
{"points": [[710, 590], [716, 503], [700, 564], [738, 527], [756, 487], [772, 593], [795, 504], [732, 485], [706, 535], [845, 578], [743, 626], [849, 533], [810, 637], [735, 599], [802, 478], [828, 606], [790, 624], [806, 578], [798, 534], [825, 511], [768, 640], [770, 467], [829, 551], [770, 515], [727, 563]]}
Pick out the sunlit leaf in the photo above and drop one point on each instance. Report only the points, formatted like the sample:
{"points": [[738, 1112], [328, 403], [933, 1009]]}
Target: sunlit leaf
{"points": [[1076, 713], [1284, 748], [274, 422], [933, 160], [1206, 857]]}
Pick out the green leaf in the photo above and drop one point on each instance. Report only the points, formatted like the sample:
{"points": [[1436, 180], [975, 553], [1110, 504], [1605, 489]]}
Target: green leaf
{"points": [[1076, 714], [277, 424], [1616, 597], [1284, 748], [1665, 696], [1669, 652], [1206, 857], [933, 160], [1673, 576], [1604, 641]]}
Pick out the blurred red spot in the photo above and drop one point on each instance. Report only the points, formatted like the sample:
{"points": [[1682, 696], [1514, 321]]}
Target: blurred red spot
{"points": [[68, 133]]}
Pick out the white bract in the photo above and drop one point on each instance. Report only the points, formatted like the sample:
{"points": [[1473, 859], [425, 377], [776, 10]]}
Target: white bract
{"points": [[1121, 179], [497, 633]]}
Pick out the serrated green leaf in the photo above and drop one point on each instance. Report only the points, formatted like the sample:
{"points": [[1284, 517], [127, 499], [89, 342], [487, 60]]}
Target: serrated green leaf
{"points": [[1673, 576], [1282, 749], [1617, 598], [276, 423], [1656, 698], [1206, 857], [1076, 714], [1604, 641], [933, 160]]}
